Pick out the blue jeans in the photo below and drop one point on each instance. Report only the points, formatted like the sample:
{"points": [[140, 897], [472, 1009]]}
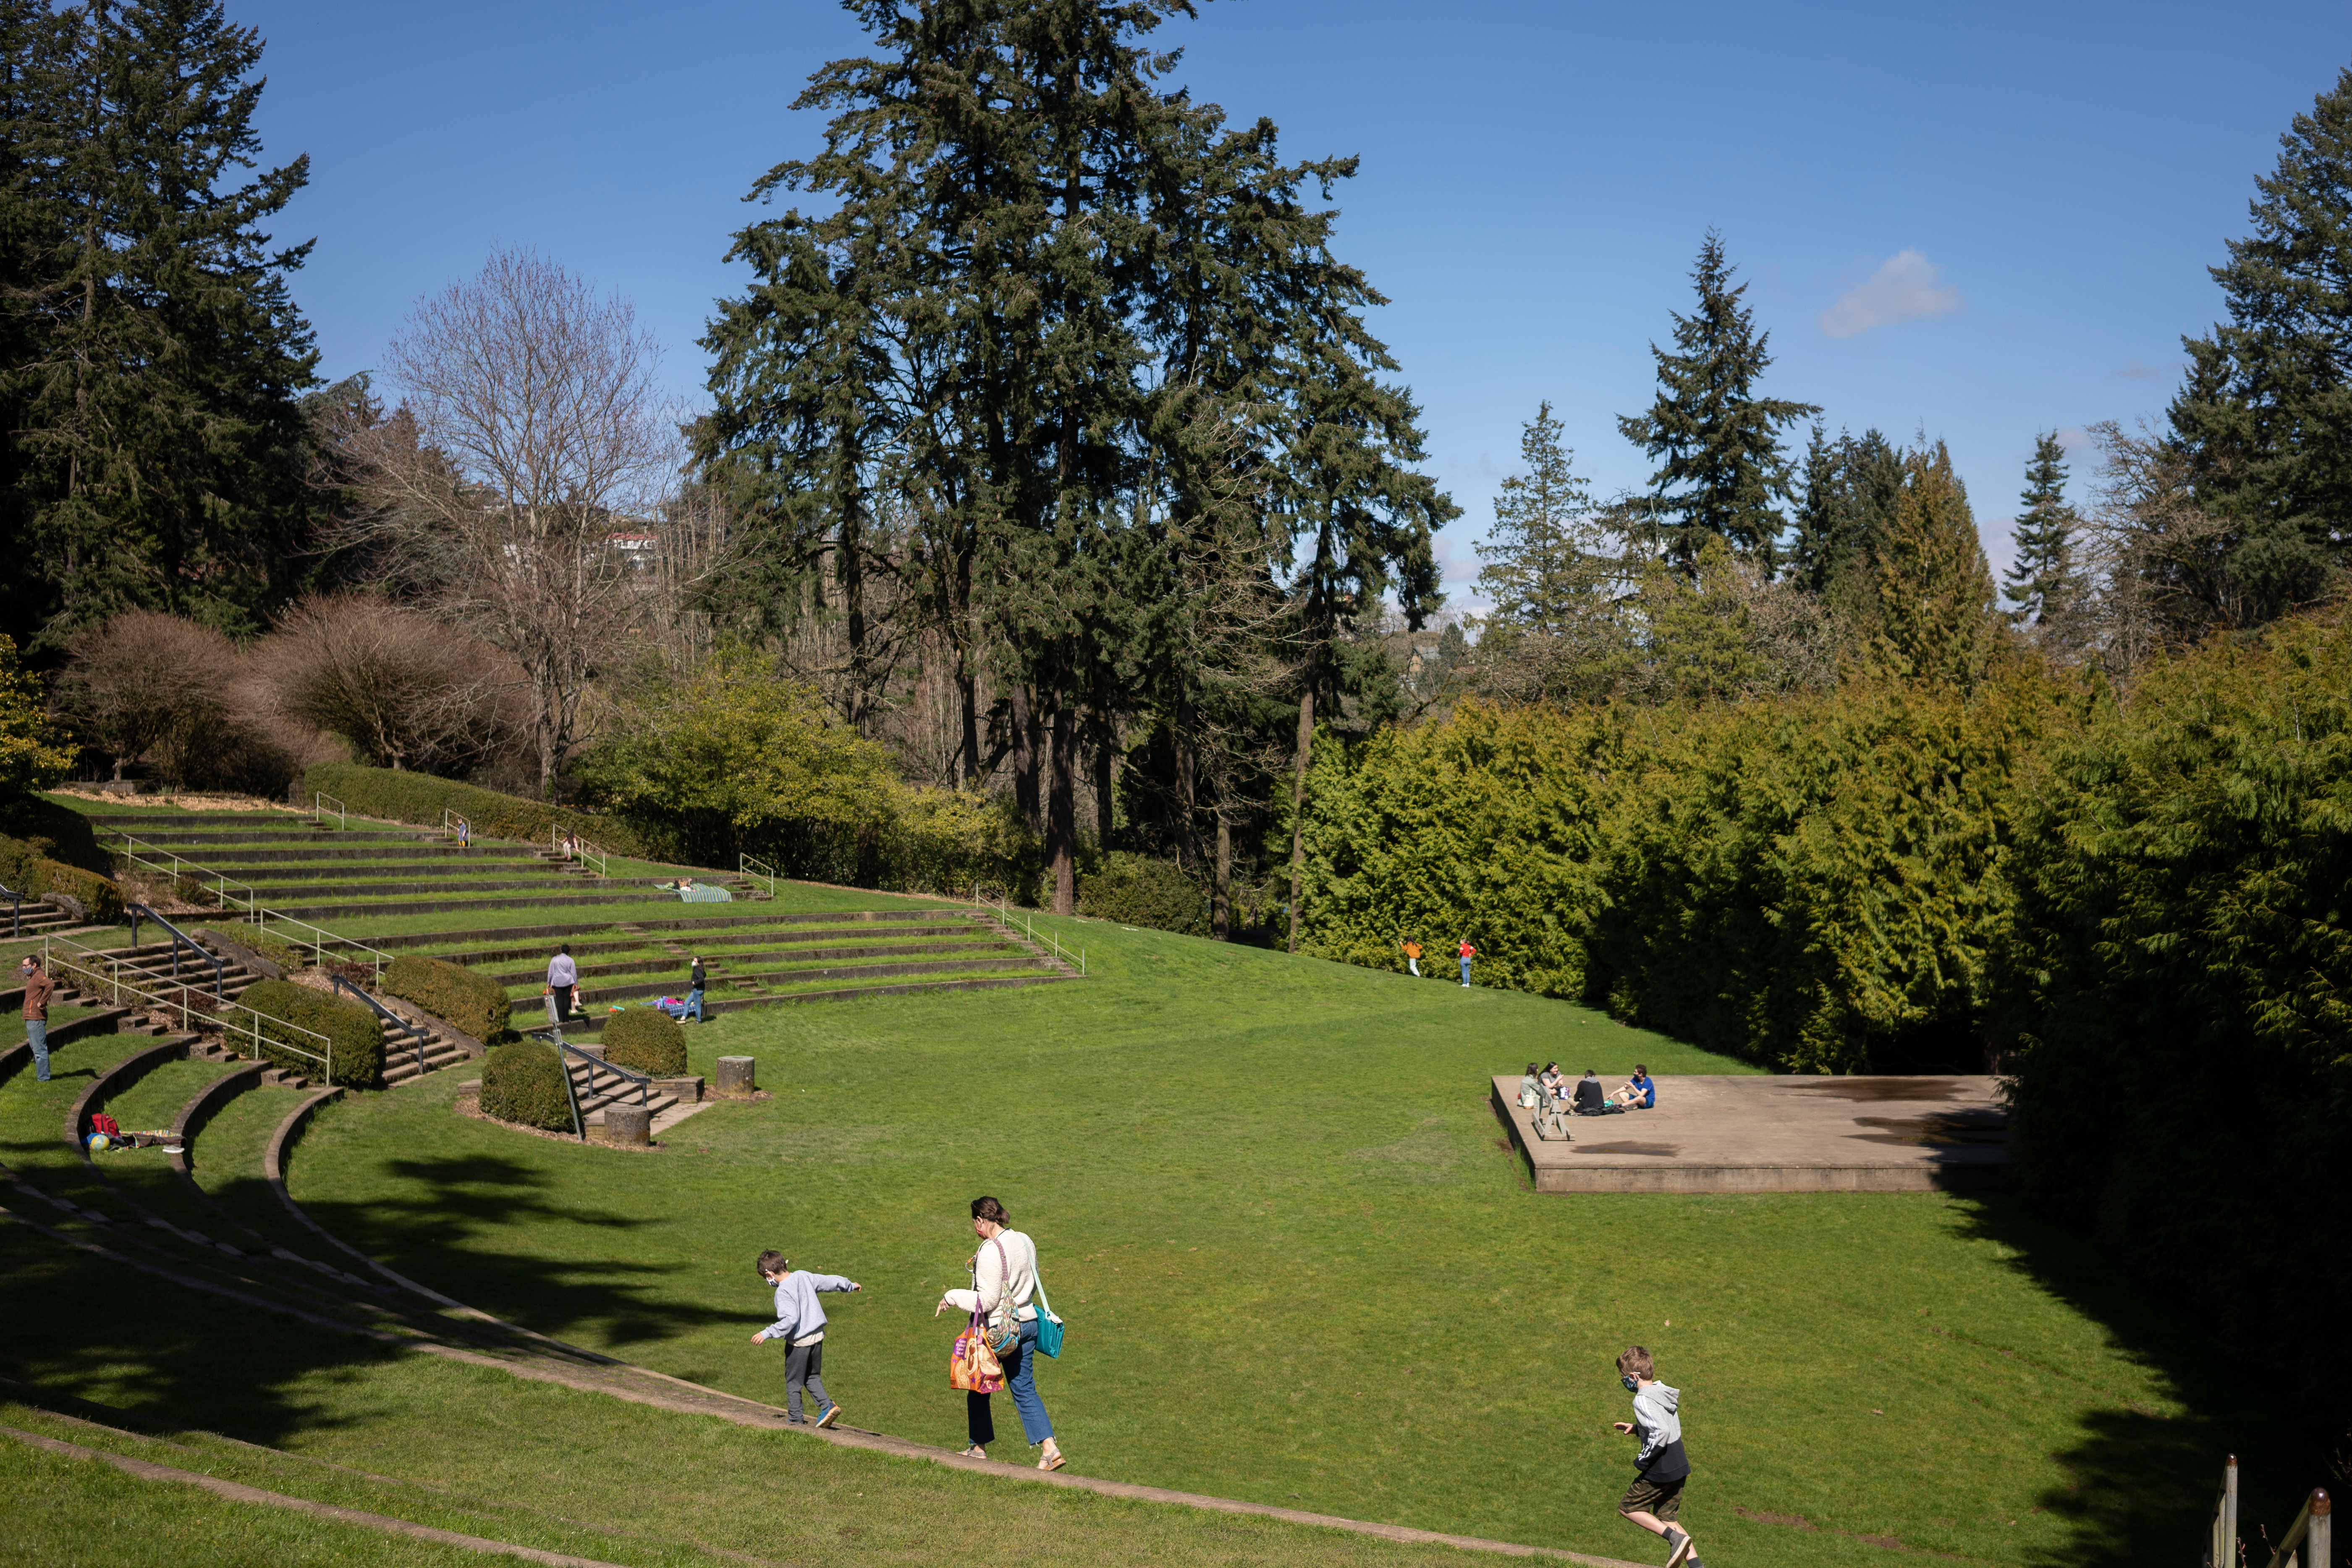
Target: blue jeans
{"points": [[693, 1005], [1021, 1378], [37, 1031], [1465, 972]]}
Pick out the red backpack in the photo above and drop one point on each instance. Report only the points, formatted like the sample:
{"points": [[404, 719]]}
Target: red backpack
{"points": [[100, 1121]]}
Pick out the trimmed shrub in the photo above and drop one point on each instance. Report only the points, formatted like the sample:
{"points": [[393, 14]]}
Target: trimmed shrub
{"points": [[647, 1041], [26, 867], [1138, 890], [357, 1036], [473, 1003], [54, 832], [523, 1081], [404, 796]]}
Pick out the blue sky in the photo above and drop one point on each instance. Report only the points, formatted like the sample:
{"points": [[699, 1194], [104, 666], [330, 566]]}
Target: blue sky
{"points": [[1975, 221]]}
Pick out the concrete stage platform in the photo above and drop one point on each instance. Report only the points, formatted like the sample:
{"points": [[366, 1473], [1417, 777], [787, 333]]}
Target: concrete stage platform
{"points": [[1770, 1134]]}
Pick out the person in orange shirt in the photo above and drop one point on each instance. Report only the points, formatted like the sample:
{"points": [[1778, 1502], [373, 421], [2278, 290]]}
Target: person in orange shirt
{"points": [[1467, 953], [1411, 957]]}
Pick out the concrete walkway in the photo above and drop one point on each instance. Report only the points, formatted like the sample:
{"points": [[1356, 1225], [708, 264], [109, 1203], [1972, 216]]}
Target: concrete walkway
{"points": [[1775, 1135]]}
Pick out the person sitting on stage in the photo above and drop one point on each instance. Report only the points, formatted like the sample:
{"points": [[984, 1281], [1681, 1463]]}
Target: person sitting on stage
{"points": [[1639, 1093], [1554, 1084], [1531, 1094], [1592, 1100]]}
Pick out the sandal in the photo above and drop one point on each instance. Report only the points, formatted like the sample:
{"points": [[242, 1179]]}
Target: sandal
{"points": [[1053, 1461], [976, 1452]]}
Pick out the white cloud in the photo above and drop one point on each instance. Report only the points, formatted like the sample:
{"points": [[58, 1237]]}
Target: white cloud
{"points": [[1906, 287], [2136, 371]]}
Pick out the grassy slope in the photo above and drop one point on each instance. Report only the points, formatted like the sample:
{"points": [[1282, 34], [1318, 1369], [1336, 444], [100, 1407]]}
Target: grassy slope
{"points": [[1300, 1269]]}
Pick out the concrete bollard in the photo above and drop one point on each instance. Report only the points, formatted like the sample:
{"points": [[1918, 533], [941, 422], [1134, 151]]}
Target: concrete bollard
{"points": [[628, 1124], [734, 1079]]}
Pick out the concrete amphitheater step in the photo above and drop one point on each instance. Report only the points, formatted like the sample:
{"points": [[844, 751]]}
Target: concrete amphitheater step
{"points": [[721, 959]]}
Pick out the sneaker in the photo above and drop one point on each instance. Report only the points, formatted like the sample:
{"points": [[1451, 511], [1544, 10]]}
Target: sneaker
{"points": [[828, 1416], [1681, 1543]]}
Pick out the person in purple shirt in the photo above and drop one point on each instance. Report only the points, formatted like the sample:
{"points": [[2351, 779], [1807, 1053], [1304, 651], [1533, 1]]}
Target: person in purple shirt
{"points": [[799, 1323]]}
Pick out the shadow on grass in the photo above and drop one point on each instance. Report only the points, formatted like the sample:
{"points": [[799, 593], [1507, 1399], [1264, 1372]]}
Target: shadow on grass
{"points": [[85, 1326], [2140, 1482], [431, 1232]]}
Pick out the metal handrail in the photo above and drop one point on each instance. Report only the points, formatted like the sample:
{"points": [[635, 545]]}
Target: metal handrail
{"points": [[415, 1032], [571, 1092], [2221, 1548], [108, 976], [16, 909], [587, 851], [2312, 1530], [183, 867], [749, 866], [320, 937], [180, 938], [1001, 914], [318, 814]]}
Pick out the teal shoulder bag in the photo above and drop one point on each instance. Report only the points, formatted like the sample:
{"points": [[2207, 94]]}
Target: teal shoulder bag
{"points": [[1049, 1327]]}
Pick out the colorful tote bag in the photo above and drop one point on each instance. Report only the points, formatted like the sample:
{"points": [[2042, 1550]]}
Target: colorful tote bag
{"points": [[972, 1366]]}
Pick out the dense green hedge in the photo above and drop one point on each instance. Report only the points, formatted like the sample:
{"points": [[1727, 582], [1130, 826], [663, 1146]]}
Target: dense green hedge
{"points": [[647, 1039], [356, 1034], [398, 796], [1138, 890], [55, 830], [473, 1003], [25, 868], [1810, 883], [2175, 986], [523, 1081]]}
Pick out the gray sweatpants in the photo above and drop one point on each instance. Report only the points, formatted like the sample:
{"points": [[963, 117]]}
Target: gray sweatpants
{"points": [[804, 1365]]}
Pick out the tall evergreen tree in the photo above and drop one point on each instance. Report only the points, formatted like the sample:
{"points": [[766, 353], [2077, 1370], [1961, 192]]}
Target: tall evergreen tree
{"points": [[159, 443], [2265, 414], [1932, 590], [1852, 488], [1551, 572], [2043, 576], [1035, 268], [1722, 470]]}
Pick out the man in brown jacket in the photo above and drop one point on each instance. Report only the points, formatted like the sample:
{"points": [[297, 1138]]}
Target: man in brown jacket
{"points": [[38, 987]]}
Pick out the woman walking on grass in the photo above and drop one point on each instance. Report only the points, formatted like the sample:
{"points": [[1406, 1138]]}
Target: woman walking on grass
{"points": [[1004, 1279]]}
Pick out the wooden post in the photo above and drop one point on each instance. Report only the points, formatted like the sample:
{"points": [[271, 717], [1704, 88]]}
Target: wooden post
{"points": [[631, 1124], [735, 1078]]}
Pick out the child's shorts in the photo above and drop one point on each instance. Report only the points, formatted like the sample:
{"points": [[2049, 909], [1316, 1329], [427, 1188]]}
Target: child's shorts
{"points": [[1660, 1500]]}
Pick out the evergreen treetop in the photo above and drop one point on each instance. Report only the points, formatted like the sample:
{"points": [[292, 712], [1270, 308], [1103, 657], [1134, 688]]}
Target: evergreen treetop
{"points": [[2043, 577], [2268, 398], [1722, 469]]}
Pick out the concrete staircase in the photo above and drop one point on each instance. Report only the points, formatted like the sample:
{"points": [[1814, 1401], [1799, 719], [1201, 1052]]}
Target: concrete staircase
{"points": [[597, 1086]]}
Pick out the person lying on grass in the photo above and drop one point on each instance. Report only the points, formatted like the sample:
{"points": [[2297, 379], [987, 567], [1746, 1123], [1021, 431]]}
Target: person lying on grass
{"points": [[1639, 1093], [1660, 1466], [799, 1323]]}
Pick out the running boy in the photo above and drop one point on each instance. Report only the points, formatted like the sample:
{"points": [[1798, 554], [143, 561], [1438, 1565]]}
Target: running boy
{"points": [[1660, 1466], [799, 1323]]}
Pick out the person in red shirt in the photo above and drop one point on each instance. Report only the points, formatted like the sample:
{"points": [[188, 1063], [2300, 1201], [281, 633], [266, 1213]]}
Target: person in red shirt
{"points": [[1467, 953], [38, 988]]}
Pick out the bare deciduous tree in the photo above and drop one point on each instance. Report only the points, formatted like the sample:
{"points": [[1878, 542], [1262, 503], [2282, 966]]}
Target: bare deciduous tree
{"points": [[403, 688], [533, 435], [142, 682], [2159, 563]]}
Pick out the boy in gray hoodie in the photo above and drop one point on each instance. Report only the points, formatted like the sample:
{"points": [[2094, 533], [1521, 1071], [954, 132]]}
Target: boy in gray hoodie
{"points": [[799, 1323], [1660, 1466]]}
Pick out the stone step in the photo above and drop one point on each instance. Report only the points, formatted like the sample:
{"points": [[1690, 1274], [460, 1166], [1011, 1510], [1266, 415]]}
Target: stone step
{"points": [[591, 1111], [438, 1054]]}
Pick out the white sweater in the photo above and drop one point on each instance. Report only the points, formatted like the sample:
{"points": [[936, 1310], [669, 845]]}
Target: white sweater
{"points": [[1006, 1275]]}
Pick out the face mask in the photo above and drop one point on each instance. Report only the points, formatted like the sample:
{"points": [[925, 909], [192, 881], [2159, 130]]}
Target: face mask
{"points": [[1633, 1384]]}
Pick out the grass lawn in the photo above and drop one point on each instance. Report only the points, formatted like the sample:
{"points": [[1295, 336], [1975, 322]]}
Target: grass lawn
{"points": [[1299, 1265]]}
